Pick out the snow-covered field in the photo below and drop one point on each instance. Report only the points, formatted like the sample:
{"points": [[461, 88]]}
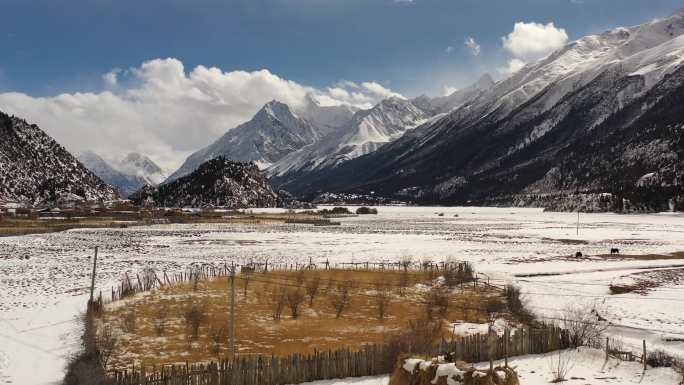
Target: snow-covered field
{"points": [[588, 366], [40, 296]]}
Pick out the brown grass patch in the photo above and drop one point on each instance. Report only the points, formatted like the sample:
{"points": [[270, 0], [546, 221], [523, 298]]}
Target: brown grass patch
{"points": [[257, 332]]}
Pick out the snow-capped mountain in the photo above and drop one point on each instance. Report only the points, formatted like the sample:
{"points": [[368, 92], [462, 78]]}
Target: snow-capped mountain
{"points": [[216, 183], [367, 131], [140, 166], [127, 175], [271, 134], [36, 170], [582, 119]]}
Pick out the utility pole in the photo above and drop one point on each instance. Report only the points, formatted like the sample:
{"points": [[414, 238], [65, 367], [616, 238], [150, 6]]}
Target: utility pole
{"points": [[92, 279], [232, 310], [578, 222]]}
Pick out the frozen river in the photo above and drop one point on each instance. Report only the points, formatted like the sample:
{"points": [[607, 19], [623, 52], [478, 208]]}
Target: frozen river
{"points": [[44, 278]]}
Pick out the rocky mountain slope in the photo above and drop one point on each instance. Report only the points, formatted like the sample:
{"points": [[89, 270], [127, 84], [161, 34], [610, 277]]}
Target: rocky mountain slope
{"points": [[367, 131], [216, 183], [600, 117], [271, 134], [127, 175], [36, 170]]}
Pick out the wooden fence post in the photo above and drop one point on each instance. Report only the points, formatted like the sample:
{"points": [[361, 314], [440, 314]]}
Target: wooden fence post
{"points": [[644, 355]]}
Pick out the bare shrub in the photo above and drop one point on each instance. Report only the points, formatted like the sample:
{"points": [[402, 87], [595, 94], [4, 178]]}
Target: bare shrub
{"points": [[660, 359], [458, 273], [160, 319], [129, 321], [107, 342], [312, 287], [560, 365], [406, 262], [294, 299], [195, 315], [494, 305], [621, 289], [437, 302], [583, 326], [195, 274], [382, 299], [246, 276], [516, 303], [340, 297], [300, 277], [218, 334], [403, 282], [278, 299], [421, 335], [149, 278]]}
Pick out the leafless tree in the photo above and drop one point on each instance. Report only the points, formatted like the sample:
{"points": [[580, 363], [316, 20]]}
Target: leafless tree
{"points": [[278, 299], [382, 299], [195, 275], [149, 278], [421, 334], [584, 325], [403, 282], [160, 320], [340, 297], [437, 302], [107, 342], [295, 298], [312, 287], [218, 333], [406, 262], [246, 277], [301, 276], [129, 321], [195, 315]]}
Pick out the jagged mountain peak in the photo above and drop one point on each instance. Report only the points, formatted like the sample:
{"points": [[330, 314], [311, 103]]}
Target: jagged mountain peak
{"points": [[127, 175], [273, 132], [485, 82], [141, 163]]}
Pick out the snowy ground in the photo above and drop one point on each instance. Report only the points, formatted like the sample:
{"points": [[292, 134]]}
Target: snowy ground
{"points": [[588, 367], [41, 296]]}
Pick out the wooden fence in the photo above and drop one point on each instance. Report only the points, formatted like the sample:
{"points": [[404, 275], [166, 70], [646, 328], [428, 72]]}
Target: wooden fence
{"points": [[149, 279], [369, 361]]}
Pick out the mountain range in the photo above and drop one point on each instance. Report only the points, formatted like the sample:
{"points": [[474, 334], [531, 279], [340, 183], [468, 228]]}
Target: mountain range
{"points": [[128, 174], [595, 126]]}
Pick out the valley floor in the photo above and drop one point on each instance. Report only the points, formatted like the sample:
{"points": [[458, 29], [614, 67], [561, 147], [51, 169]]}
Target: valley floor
{"points": [[45, 277]]}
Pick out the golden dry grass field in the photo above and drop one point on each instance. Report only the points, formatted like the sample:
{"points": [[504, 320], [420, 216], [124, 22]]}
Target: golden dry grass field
{"points": [[133, 320]]}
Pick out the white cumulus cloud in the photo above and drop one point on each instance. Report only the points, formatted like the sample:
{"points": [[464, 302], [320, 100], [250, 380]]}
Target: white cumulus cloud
{"points": [[161, 110], [531, 41], [513, 66], [473, 46]]}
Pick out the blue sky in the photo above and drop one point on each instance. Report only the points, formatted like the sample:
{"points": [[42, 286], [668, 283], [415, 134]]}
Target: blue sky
{"points": [[55, 46], [165, 78]]}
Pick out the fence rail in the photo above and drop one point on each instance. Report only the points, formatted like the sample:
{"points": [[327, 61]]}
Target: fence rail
{"points": [[370, 361]]}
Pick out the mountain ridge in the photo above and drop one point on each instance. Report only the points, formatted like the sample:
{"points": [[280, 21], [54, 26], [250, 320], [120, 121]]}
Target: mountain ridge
{"points": [[36, 170]]}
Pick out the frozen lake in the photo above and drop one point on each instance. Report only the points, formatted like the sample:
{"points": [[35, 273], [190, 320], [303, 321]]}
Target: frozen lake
{"points": [[40, 296]]}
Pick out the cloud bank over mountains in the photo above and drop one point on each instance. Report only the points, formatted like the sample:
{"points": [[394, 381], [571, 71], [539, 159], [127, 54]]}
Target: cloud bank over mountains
{"points": [[161, 110], [167, 112]]}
